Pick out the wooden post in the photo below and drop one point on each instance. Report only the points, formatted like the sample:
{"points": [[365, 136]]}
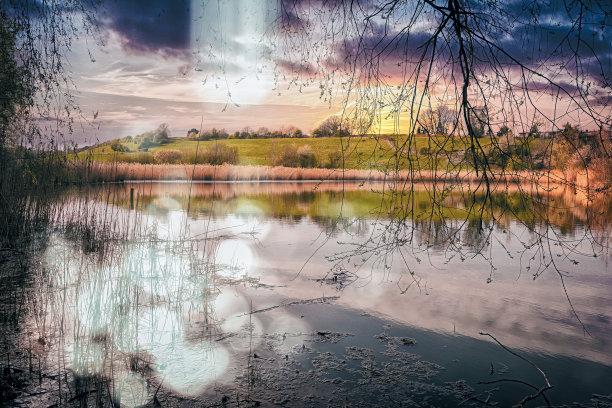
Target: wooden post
{"points": [[132, 198]]}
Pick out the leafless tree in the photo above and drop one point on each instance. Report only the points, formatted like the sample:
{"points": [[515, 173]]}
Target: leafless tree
{"points": [[332, 126], [482, 65], [475, 67]]}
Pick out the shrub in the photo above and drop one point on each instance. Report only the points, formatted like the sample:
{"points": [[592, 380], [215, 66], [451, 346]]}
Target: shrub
{"points": [[289, 157], [335, 159], [306, 157], [116, 146], [168, 156], [561, 155], [274, 153], [146, 143], [220, 153], [603, 166], [162, 134]]}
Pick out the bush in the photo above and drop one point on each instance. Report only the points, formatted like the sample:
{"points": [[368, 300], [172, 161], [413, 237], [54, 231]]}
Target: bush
{"points": [[168, 156], [562, 154], [335, 159], [220, 153], [274, 153], [162, 134], [116, 146], [289, 157], [146, 143], [306, 157]]}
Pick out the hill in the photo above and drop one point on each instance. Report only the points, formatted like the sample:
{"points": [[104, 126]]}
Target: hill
{"points": [[359, 152]]}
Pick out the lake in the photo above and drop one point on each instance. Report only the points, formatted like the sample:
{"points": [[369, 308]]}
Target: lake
{"points": [[312, 294]]}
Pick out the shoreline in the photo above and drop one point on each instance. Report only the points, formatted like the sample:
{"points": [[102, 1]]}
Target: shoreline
{"points": [[106, 172]]}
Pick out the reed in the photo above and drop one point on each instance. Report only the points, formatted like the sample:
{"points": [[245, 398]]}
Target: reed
{"points": [[96, 172]]}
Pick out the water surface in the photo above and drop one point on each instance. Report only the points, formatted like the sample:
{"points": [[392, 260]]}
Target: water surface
{"points": [[314, 294]]}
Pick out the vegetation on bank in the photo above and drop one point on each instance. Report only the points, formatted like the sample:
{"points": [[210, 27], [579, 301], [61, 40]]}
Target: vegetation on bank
{"points": [[569, 150], [319, 152], [351, 152]]}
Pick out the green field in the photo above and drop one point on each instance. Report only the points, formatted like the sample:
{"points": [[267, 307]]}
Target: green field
{"points": [[359, 152]]}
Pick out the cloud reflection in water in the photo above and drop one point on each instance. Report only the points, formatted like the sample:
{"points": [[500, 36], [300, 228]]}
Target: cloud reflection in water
{"points": [[138, 307]]}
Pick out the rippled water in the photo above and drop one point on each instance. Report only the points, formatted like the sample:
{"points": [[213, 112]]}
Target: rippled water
{"points": [[306, 294]]}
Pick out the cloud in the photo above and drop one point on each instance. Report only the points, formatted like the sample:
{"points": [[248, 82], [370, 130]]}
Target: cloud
{"points": [[601, 100], [536, 86], [544, 40], [388, 52], [547, 37], [150, 26], [290, 18], [295, 16], [299, 68], [122, 115]]}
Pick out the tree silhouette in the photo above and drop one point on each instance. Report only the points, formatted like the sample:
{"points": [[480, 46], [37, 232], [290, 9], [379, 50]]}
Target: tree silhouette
{"points": [[491, 62], [471, 69], [37, 104], [37, 95]]}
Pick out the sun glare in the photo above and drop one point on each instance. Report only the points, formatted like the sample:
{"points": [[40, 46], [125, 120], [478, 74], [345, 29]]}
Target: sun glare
{"points": [[234, 259], [233, 51]]}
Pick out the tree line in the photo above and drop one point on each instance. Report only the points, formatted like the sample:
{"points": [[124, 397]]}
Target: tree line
{"points": [[330, 127]]}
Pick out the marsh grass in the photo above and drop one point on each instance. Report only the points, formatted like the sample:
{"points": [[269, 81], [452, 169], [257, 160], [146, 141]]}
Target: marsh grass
{"points": [[95, 172], [586, 188], [72, 296]]}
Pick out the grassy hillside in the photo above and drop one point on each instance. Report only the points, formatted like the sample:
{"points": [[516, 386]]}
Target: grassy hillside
{"points": [[359, 153]]}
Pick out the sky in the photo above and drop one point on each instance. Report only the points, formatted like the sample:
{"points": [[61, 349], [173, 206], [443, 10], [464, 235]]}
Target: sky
{"points": [[236, 63], [188, 65]]}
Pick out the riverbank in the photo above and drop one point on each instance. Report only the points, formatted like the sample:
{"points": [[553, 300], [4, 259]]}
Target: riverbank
{"points": [[95, 172]]}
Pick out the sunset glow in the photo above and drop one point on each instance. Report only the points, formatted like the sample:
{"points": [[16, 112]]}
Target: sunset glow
{"points": [[232, 64]]}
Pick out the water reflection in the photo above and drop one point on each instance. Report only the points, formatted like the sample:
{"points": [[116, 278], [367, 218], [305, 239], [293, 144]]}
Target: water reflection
{"points": [[138, 307], [234, 259], [206, 276]]}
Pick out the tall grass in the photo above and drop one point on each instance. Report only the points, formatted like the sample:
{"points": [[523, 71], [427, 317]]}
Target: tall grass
{"points": [[27, 177], [97, 172]]}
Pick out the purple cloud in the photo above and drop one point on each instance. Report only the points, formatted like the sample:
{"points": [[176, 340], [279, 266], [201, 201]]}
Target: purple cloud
{"points": [[150, 26], [299, 68]]}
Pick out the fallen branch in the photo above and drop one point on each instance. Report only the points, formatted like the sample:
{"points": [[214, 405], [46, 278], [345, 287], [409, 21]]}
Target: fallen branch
{"points": [[539, 391]]}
